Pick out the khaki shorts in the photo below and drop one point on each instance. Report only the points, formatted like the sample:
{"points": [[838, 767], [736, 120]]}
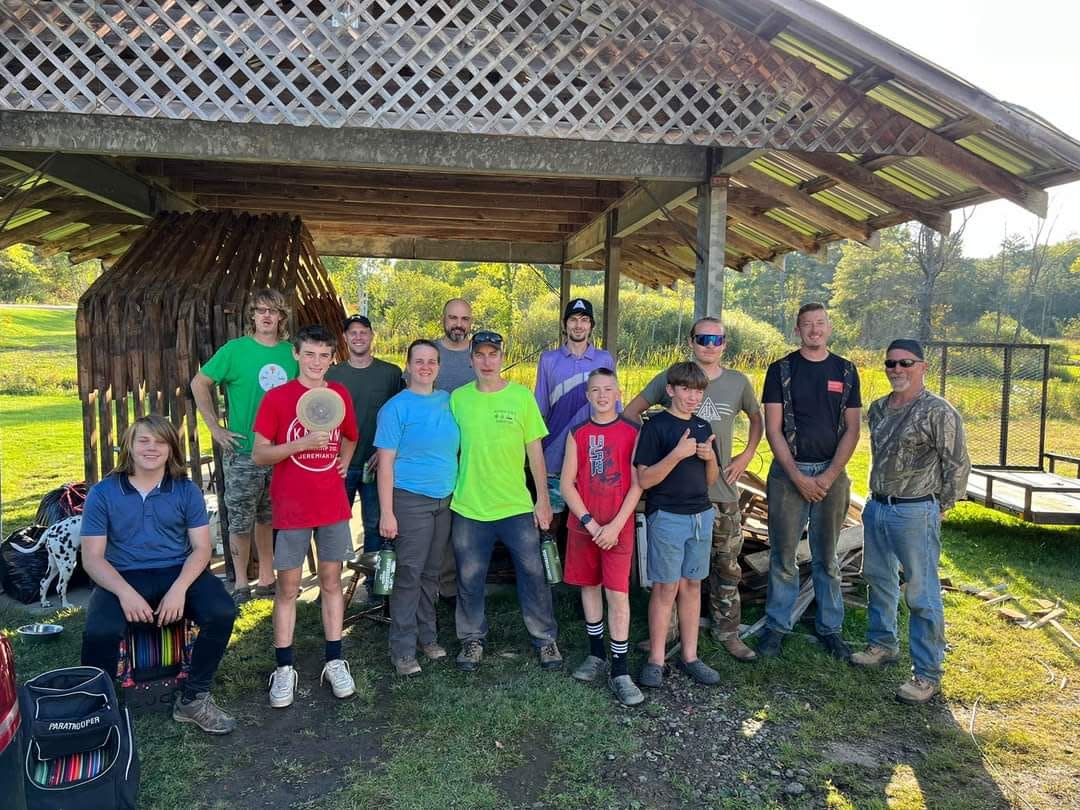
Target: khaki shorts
{"points": [[333, 543], [247, 492]]}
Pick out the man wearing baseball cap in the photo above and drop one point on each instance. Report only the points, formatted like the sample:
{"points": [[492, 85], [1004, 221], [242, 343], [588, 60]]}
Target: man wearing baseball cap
{"points": [[371, 382], [919, 468], [561, 375]]}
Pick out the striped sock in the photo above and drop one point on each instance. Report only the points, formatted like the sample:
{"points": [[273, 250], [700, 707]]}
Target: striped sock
{"points": [[596, 638], [619, 651]]}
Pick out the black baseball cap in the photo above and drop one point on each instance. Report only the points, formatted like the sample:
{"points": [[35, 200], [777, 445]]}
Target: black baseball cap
{"points": [[360, 319], [907, 345], [579, 306]]}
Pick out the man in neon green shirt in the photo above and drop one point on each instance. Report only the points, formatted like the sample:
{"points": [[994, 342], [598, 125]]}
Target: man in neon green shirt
{"points": [[500, 426], [247, 367]]}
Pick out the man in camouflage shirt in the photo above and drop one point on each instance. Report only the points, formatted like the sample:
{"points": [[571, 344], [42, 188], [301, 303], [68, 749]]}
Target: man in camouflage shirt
{"points": [[919, 469]]}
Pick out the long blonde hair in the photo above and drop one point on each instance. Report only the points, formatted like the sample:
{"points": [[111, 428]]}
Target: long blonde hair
{"points": [[268, 297], [163, 429]]}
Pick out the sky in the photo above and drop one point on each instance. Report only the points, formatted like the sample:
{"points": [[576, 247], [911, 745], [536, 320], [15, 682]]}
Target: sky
{"points": [[1026, 53]]}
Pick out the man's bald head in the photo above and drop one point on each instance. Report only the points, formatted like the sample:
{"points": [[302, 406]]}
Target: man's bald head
{"points": [[457, 320]]}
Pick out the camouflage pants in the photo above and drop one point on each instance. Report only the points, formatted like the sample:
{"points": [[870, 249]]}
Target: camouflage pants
{"points": [[725, 609], [247, 492]]}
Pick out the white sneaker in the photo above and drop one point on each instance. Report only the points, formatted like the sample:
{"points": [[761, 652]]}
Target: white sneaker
{"points": [[282, 687], [341, 682]]}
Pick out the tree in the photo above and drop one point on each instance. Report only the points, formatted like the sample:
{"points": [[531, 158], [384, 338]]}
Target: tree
{"points": [[935, 253]]}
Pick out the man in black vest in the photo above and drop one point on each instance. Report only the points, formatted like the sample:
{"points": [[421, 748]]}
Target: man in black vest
{"points": [[812, 407]]}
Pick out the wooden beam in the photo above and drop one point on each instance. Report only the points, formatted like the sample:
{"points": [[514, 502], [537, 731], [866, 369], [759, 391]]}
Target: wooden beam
{"points": [[82, 238], [711, 236], [94, 178], [36, 228], [806, 205], [846, 171], [564, 294], [772, 25], [749, 247], [770, 227], [118, 244], [612, 251], [443, 232], [22, 199], [454, 250]]}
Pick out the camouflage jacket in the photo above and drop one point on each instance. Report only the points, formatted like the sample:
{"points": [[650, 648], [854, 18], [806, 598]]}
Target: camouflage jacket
{"points": [[926, 456]]}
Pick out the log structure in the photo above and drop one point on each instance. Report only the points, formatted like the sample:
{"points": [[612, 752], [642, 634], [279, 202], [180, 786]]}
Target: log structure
{"points": [[146, 325]]}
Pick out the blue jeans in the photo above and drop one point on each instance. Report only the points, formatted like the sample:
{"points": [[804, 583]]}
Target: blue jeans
{"points": [[908, 535], [473, 542], [369, 506], [789, 515]]}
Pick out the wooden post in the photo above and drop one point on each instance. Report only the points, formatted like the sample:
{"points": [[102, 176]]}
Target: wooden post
{"points": [[564, 296], [612, 249], [712, 231]]}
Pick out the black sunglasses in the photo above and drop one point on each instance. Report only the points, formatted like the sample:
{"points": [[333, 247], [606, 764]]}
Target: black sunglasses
{"points": [[907, 362], [493, 338], [709, 340]]}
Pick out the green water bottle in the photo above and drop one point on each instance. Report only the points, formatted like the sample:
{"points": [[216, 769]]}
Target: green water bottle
{"points": [[549, 553], [384, 570]]}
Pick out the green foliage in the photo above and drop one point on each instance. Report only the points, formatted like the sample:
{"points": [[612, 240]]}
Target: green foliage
{"points": [[25, 277]]}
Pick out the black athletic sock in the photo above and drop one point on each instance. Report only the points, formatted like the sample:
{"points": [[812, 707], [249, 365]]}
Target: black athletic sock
{"points": [[333, 650], [596, 638], [284, 656], [619, 651]]}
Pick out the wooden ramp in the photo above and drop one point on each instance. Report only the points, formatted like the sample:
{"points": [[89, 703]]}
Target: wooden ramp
{"points": [[1032, 495]]}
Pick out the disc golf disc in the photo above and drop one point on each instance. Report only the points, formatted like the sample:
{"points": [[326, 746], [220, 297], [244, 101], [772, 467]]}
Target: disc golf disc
{"points": [[320, 409]]}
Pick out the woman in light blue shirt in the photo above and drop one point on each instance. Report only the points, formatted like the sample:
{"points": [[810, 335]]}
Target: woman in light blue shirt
{"points": [[417, 440]]}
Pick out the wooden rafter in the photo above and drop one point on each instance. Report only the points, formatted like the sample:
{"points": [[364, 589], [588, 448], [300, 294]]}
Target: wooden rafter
{"points": [[804, 204], [81, 238], [770, 227]]}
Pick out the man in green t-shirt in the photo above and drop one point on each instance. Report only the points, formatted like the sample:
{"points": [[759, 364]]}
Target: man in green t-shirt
{"points": [[371, 382], [500, 426], [727, 393], [247, 368]]}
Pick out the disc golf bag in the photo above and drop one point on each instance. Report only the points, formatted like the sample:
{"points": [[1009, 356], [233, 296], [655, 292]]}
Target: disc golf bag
{"points": [[80, 745], [153, 663]]}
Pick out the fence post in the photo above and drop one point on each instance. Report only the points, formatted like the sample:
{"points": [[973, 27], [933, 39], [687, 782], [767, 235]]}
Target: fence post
{"points": [[1006, 390], [1043, 411], [944, 367]]}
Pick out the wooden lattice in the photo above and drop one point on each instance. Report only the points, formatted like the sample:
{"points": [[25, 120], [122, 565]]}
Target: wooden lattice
{"points": [[145, 326], [623, 70]]}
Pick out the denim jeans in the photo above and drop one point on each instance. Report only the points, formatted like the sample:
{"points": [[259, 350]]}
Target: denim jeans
{"points": [[908, 535], [206, 603], [789, 514], [369, 506], [473, 542]]}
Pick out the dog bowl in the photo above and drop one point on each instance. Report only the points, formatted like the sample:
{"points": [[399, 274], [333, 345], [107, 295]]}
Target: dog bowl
{"points": [[40, 632]]}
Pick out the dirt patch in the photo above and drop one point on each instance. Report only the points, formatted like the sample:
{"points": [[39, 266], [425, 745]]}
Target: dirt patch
{"points": [[287, 757], [524, 783]]}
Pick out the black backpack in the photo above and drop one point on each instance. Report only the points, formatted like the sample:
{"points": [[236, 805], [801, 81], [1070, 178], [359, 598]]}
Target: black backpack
{"points": [[80, 746]]}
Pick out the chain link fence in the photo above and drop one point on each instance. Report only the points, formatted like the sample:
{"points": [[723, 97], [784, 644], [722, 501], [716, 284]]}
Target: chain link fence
{"points": [[1000, 391]]}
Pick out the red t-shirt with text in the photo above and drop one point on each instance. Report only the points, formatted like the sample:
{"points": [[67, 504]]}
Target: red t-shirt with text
{"points": [[605, 461], [305, 490]]}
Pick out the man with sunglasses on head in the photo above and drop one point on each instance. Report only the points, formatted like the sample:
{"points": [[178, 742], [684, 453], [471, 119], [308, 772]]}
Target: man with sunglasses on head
{"points": [[500, 428], [728, 392], [812, 407], [919, 469]]}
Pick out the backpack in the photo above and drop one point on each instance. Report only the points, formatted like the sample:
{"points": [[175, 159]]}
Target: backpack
{"points": [[79, 743]]}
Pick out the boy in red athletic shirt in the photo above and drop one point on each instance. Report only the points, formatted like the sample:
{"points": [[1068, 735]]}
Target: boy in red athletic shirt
{"points": [[599, 484], [307, 496]]}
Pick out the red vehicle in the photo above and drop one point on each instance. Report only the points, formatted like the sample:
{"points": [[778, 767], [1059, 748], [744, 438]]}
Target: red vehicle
{"points": [[11, 760]]}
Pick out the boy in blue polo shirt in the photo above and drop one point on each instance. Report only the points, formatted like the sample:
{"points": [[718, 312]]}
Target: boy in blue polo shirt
{"points": [[146, 545]]}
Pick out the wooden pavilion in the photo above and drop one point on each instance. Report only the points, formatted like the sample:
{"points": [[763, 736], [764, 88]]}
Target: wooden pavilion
{"points": [[656, 139]]}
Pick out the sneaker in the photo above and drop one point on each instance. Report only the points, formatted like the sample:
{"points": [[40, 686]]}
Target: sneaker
{"points": [[917, 691], [241, 594], [341, 682], [699, 671], [264, 591], [770, 645], [470, 656], [651, 676], [203, 712], [835, 646], [625, 690], [550, 657], [738, 650], [433, 651], [874, 656], [406, 667], [282, 687], [589, 669]]}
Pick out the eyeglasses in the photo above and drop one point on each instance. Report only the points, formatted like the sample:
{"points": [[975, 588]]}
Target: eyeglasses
{"points": [[709, 340], [266, 310], [494, 338], [907, 362]]}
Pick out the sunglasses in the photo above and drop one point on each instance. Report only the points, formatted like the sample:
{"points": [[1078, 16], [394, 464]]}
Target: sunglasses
{"points": [[494, 338], [709, 340], [907, 362]]}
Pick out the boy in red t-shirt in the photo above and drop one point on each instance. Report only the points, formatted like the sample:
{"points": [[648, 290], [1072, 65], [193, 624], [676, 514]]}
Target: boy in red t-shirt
{"points": [[599, 484], [307, 496]]}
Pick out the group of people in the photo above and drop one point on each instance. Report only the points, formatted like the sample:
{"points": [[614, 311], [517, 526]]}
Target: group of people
{"points": [[438, 457]]}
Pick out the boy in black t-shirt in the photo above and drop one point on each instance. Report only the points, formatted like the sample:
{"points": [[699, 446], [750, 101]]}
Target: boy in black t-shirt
{"points": [[677, 461]]}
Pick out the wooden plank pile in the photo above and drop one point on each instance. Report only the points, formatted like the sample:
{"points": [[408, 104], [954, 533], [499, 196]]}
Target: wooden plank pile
{"points": [[1039, 612], [146, 325]]}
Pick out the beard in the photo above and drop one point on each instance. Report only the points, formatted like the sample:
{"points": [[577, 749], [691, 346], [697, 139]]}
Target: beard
{"points": [[456, 334]]}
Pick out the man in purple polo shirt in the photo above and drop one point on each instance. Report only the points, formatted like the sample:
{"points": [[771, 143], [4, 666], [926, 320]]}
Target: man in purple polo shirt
{"points": [[560, 392]]}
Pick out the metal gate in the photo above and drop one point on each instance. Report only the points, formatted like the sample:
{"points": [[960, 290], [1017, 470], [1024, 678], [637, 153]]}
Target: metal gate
{"points": [[1000, 391]]}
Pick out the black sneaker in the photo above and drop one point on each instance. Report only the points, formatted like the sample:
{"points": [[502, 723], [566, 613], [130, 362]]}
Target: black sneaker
{"points": [[770, 644], [835, 646]]}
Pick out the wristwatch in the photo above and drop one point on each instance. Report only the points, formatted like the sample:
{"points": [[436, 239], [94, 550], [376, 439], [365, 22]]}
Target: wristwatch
{"points": [[586, 519]]}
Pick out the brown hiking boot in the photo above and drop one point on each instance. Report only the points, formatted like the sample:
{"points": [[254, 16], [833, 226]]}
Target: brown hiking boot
{"points": [[917, 691], [406, 667], [472, 651], [738, 650], [550, 657], [433, 651], [874, 656]]}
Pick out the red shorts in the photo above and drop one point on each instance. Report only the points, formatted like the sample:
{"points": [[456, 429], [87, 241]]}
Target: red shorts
{"points": [[588, 564]]}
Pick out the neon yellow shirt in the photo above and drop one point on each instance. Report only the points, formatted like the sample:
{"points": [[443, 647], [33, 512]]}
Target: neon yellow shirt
{"points": [[495, 427]]}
